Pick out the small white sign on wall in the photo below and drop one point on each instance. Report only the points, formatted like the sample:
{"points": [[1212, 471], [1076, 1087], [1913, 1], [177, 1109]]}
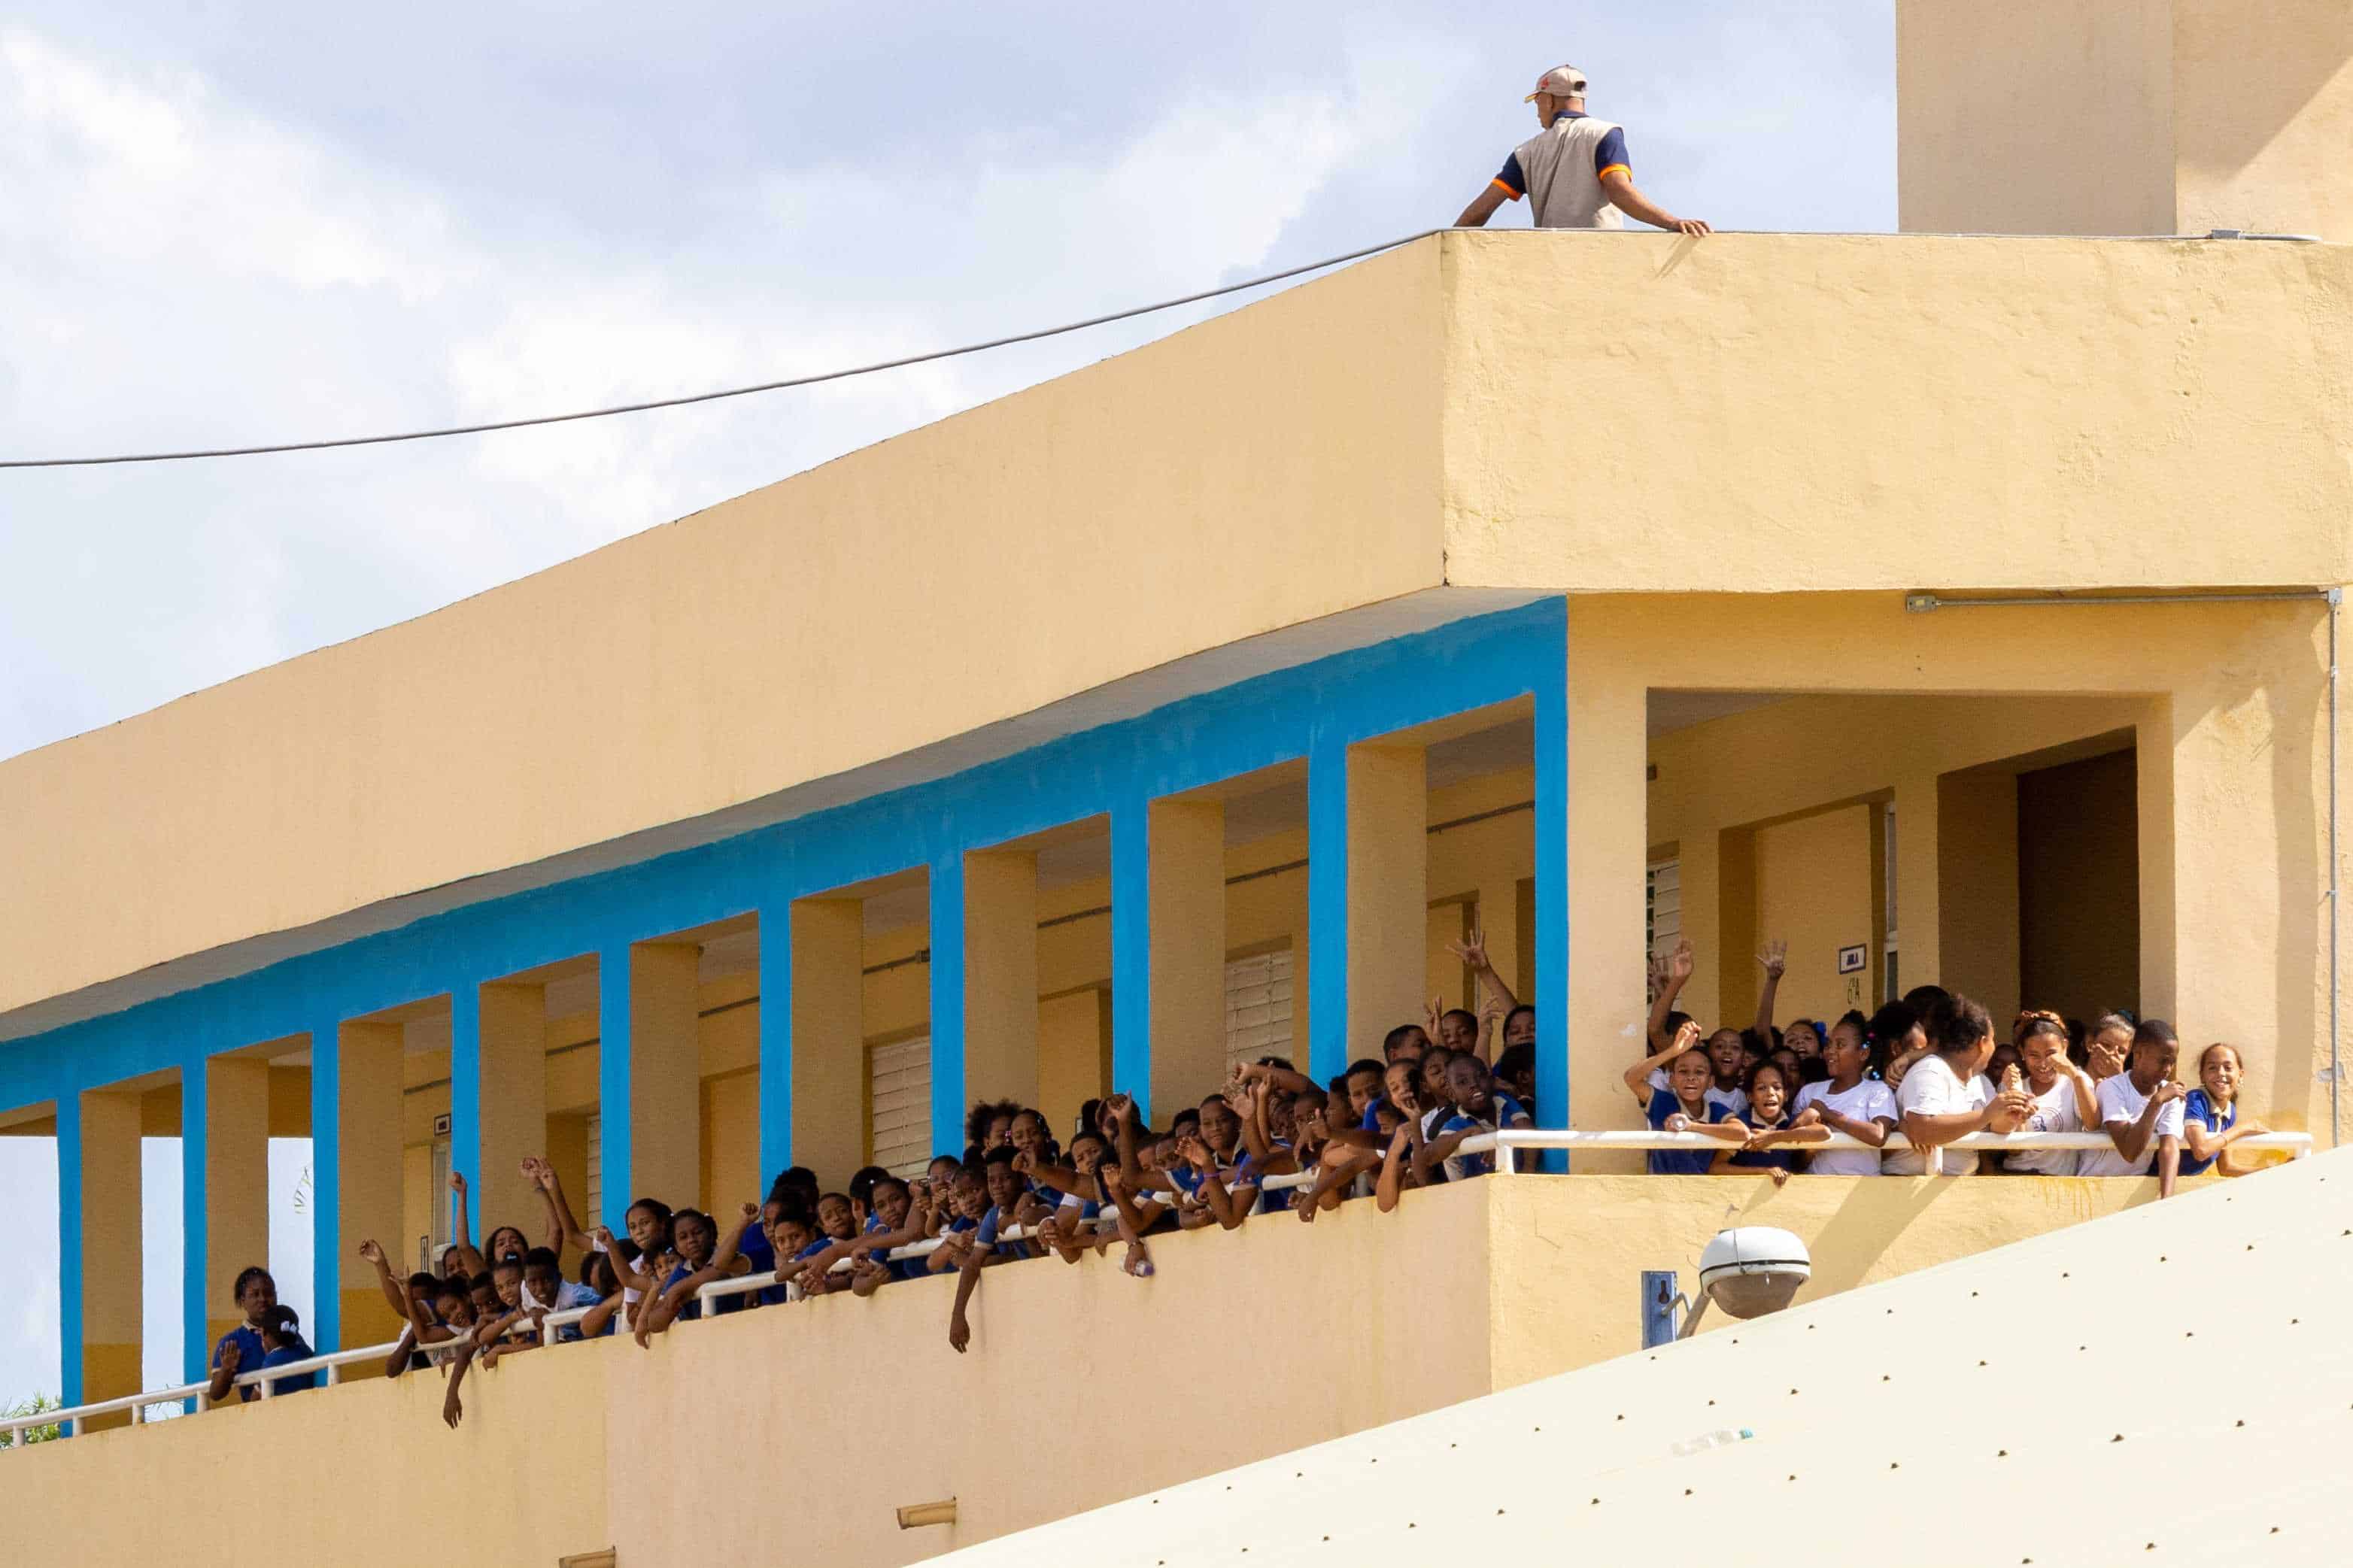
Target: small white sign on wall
{"points": [[1852, 960]]}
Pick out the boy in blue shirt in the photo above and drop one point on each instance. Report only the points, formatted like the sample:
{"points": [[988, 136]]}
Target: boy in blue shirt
{"points": [[545, 1287], [1477, 1108]]}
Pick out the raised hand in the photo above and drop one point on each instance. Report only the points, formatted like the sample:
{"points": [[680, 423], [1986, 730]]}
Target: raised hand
{"points": [[1682, 962], [1024, 1164], [750, 1211], [231, 1355], [1775, 958], [1687, 1036], [1430, 1015], [457, 1183], [374, 1254], [1471, 951], [1122, 1105]]}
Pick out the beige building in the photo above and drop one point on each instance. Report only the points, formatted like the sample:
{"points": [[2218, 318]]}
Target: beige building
{"points": [[1954, 609]]}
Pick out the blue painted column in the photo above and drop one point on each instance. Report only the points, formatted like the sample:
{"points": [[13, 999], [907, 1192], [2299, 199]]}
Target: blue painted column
{"points": [[1131, 953], [326, 1186], [776, 1037], [69, 1335], [466, 1096], [1327, 905], [947, 1002], [194, 1220], [1552, 936], [615, 1054]]}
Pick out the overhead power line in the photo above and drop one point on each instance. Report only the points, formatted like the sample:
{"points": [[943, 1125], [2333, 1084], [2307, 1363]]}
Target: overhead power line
{"points": [[843, 375]]}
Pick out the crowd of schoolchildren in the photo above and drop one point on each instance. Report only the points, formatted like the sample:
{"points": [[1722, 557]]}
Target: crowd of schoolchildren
{"points": [[1928, 1065], [1931, 1068]]}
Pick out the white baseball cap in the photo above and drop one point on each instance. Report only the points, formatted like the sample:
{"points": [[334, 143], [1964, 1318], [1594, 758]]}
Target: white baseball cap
{"points": [[1561, 81]]}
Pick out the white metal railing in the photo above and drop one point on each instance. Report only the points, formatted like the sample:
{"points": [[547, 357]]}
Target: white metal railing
{"points": [[2296, 1145]]}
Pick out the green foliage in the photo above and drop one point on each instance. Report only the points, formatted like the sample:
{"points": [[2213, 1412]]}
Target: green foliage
{"points": [[33, 1406]]}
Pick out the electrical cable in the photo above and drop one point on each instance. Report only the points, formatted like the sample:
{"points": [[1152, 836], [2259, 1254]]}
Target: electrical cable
{"points": [[1128, 314]]}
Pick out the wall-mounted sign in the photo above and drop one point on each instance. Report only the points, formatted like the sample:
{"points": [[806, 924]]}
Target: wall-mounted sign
{"points": [[1852, 960], [441, 1122]]}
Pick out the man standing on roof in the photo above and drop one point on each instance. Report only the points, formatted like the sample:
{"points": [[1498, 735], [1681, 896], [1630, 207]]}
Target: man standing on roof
{"points": [[1573, 172]]}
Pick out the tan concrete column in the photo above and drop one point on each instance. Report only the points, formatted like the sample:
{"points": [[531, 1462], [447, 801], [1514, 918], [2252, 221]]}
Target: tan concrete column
{"points": [[665, 1108], [367, 1143], [111, 1242], [1187, 916], [1000, 975], [828, 1034], [1608, 854], [1388, 898], [237, 1183], [1976, 878], [511, 1104], [1918, 953]]}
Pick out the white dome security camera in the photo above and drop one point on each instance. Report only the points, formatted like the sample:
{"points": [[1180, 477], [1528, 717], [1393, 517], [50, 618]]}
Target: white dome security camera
{"points": [[1753, 1269]]}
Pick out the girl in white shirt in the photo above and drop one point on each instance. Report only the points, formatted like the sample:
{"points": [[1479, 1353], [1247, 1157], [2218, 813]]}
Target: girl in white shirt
{"points": [[2065, 1100], [1862, 1108], [1946, 1095]]}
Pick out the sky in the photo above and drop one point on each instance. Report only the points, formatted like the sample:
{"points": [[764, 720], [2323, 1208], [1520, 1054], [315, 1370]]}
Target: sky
{"points": [[231, 223]]}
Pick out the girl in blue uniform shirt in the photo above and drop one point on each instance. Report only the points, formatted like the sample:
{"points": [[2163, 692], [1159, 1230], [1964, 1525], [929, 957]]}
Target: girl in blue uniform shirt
{"points": [[2211, 1121], [240, 1349], [1772, 1132], [696, 1242], [282, 1343]]}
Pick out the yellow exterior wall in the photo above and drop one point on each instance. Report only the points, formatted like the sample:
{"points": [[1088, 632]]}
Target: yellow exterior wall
{"points": [[731, 1171], [1090, 510], [2263, 90], [1891, 412], [1460, 1291], [2226, 705], [1125, 513], [378, 1481], [2125, 116], [1814, 892], [2035, 117], [1073, 1054]]}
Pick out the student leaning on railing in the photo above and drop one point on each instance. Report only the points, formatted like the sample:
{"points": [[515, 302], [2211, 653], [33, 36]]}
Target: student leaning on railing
{"points": [[1905, 1089]]}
